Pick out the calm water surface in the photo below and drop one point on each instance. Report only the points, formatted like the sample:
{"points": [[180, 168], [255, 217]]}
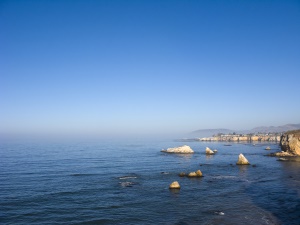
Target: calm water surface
{"points": [[127, 183]]}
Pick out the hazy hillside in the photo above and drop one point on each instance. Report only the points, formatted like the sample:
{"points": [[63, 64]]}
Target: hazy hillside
{"points": [[263, 129], [276, 129], [209, 132]]}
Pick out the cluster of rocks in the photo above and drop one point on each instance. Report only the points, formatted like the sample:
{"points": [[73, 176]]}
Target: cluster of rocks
{"points": [[198, 173], [289, 142], [175, 184]]}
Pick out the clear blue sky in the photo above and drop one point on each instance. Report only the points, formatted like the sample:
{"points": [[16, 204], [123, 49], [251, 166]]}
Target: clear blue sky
{"points": [[144, 66]]}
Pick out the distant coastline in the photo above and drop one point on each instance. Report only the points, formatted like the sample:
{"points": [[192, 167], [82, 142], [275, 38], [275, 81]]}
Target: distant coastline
{"points": [[269, 137]]}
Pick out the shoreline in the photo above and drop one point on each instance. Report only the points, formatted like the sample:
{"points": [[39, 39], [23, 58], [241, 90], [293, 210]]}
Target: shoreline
{"points": [[237, 138]]}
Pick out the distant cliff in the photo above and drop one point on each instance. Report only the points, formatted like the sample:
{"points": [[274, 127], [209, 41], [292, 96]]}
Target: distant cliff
{"points": [[240, 137], [290, 142]]}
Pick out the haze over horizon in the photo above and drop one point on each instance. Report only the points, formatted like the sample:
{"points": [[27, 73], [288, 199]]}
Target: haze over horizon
{"points": [[138, 67]]}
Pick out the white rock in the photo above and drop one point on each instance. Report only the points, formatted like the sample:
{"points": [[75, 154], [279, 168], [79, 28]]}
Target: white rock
{"points": [[242, 160], [183, 149], [174, 185], [208, 151]]}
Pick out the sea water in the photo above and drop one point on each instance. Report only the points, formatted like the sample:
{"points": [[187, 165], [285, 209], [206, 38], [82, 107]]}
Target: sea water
{"points": [[127, 182]]}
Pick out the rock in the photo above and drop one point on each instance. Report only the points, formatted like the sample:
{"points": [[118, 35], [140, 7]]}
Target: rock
{"points": [[182, 174], [183, 149], [268, 148], [282, 154], [199, 173], [215, 151], [192, 174], [242, 160], [127, 184], [174, 185], [290, 142], [208, 151]]}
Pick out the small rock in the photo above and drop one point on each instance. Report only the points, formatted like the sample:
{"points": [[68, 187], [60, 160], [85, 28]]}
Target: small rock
{"points": [[208, 151], [215, 151], [199, 173], [192, 174], [182, 174], [268, 148], [174, 185], [242, 160]]}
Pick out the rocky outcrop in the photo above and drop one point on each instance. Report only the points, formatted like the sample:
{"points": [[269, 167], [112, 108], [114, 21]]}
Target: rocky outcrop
{"points": [[290, 143], [208, 151], [183, 150], [174, 185], [242, 160]]}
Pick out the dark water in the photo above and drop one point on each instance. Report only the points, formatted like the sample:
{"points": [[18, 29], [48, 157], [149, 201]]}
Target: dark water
{"points": [[127, 183]]}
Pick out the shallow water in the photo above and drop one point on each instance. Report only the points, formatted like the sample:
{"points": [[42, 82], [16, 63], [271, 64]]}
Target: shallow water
{"points": [[127, 183]]}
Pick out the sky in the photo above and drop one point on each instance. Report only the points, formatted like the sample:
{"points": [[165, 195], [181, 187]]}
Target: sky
{"points": [[132, 67]]}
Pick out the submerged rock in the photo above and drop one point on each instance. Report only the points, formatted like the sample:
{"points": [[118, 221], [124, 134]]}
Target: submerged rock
{"points": [[182, 174], [242, 160], [127, 184], [282, 159], [208, 151], [174, 185], [185, 149]]}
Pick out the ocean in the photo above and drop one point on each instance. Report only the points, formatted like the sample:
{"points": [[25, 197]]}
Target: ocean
{"points": [[127, 182]]}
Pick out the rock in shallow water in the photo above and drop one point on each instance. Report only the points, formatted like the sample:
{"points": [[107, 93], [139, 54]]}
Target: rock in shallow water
{"points": [[242, 160], [208, 151], [185, 149], [198, 173], [174, 185]]}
